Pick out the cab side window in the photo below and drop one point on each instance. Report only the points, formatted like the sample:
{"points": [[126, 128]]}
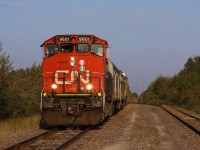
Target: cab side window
{"points": [[51, 50], [97, 49]]}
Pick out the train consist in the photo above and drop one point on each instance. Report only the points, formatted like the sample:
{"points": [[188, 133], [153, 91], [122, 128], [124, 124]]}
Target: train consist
{"points": [[81, 86]]}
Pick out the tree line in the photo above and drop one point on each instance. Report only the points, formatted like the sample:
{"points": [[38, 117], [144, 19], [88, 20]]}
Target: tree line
{"points": [[183, 89], [19, 89]]}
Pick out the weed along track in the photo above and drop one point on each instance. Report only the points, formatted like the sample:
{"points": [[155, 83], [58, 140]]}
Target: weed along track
{"points": [[54, 139]]}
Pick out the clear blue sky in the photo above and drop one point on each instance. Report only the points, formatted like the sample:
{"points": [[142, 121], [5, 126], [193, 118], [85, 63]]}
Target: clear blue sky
{"points": [[147, 38]]}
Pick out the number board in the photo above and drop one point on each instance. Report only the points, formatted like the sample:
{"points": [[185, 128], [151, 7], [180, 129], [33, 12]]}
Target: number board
{"points": [[84, 39], [64, 39]]}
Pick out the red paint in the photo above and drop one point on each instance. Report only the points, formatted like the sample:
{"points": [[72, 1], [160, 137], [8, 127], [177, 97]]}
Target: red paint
{"points": [[62, 61]]}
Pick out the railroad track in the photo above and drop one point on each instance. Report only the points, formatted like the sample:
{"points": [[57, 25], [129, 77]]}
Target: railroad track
{"points": [[57, 139], [189, 119], [186, 117], [188, 113], [54, 139]]}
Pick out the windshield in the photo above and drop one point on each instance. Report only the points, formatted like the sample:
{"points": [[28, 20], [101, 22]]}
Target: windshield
{"points": [[97, 49], [66, 47], [51, 50], [82, 48]]}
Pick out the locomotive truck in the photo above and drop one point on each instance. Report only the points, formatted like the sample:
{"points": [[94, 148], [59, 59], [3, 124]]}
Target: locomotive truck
{"points": [[81, 86]]}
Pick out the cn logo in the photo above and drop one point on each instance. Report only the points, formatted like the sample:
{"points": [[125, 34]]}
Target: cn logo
{"points": [[73, 74]]}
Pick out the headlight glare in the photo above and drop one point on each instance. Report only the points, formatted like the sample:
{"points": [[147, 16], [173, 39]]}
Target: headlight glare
{"points": [[89, 86], [54, 86]]}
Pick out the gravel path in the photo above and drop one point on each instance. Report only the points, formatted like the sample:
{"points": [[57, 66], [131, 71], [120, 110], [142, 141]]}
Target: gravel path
{"points": [[140, 127]]}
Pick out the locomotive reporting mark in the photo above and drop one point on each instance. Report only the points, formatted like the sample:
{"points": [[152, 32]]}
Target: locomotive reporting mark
{"points": [[73, 76], [64, 39], [84, 39]]}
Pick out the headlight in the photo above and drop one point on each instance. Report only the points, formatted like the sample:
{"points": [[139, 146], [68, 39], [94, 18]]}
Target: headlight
{"points": [[72, 63], [89, 86], [72, 58], [54, 86]]}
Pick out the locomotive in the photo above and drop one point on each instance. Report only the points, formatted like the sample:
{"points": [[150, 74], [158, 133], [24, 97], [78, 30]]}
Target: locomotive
{"points": [[81, 86]]}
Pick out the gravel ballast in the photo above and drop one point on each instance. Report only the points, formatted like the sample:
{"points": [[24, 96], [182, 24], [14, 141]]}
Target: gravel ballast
{"points": [[140, 127]]}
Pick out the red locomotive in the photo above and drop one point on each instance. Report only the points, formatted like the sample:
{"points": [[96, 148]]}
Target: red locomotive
{"points": [[81, 86]]}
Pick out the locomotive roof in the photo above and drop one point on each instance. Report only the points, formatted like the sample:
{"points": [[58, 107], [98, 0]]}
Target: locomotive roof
{"points": [[95, 37]]}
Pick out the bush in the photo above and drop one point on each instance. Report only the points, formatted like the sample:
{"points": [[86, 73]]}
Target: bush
{"points": [[182, 90], [23, 94]]}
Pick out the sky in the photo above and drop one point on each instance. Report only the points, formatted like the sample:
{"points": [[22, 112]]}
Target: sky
{"points": [[147, 38]]}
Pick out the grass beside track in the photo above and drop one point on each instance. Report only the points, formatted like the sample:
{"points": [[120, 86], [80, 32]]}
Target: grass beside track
{"points": [[15, 125]]}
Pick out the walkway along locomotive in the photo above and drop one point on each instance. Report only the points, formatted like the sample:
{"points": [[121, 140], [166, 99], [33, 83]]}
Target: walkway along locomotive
{"points": [[81, 86]]}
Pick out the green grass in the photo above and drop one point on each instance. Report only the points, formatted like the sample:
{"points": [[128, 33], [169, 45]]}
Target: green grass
{"points": [[15, 125]]}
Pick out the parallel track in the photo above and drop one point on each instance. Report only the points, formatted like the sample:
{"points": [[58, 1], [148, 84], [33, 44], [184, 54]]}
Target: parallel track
{"points": [[192, 124], [192, 115], [54, 139]]}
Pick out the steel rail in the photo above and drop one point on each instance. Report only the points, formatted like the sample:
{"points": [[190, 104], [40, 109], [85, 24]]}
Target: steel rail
{"points": [[72, 139], [197, 117], [19, 144], [192, 127], [63, 145]]}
